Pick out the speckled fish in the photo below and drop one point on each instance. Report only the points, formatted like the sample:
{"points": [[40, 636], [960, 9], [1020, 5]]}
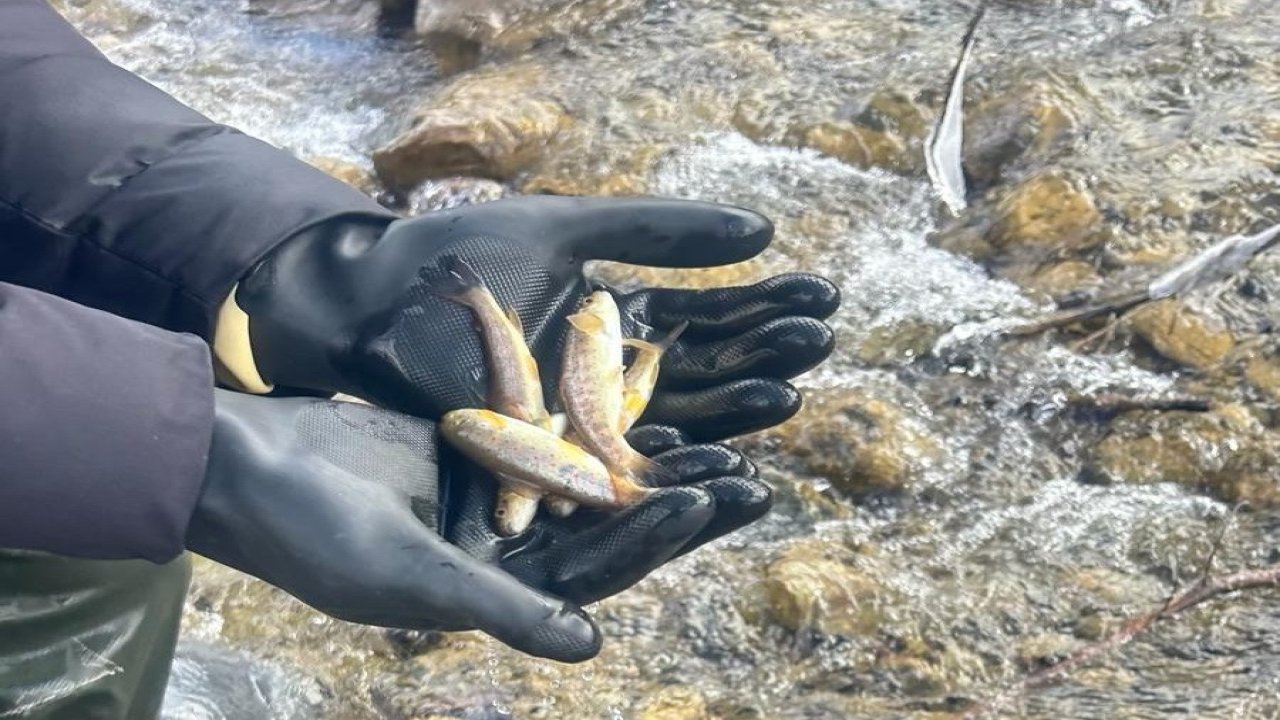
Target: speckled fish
{"points": [[591, 391], [515, 389], [527, 453], [638, 383]]}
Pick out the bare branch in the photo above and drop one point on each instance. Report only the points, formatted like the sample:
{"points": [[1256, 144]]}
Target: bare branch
{"points": [[1206, 589]]}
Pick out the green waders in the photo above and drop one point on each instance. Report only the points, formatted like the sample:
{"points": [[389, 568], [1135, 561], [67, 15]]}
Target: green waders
{"points": [[87, 639]]}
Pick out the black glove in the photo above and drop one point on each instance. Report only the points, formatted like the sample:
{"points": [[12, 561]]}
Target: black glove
{"points": [[344, 506], [346, 307], [592, 554]]}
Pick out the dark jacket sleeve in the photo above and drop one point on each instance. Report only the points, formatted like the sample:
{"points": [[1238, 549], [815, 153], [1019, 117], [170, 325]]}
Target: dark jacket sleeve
{"points": [[104, 433], [117, 196]]}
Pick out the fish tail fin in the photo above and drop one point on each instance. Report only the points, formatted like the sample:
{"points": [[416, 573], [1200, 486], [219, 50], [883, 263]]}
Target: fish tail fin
{"points": [[458, 281], [657, 346], [671, 337], [646, 473]]}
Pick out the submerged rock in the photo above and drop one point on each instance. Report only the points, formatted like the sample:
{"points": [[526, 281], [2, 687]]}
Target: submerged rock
{"points": [[1263, 372], [348, 172], [1013, 129], [859, 443], [460, 32], [676, 703], [812, 587], [857, 145], [491, 126], [1226, 453], [1179, 334], [1063, 279], [1046, 216]]}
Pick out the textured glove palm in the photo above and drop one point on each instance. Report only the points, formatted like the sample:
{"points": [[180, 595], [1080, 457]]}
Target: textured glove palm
{"points": [[356, 511], [348, 307]]}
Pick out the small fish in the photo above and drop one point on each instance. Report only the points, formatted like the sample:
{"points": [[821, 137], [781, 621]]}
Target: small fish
{"points": [[945, 144], [642, 377], [591, 391], [515, 389], [638, 383], [536, 457]]}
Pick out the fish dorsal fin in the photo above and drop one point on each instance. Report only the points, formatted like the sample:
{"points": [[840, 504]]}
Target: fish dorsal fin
{"points": [[586, 323], [514, 317]]}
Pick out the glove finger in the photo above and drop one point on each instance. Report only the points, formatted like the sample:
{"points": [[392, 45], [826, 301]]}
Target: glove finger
{"points": [[659, 231], [611, 556], [654, 439], [781, 349], [724, 312], [693, 463], [431, 583], [724, 411], [739, 502]]}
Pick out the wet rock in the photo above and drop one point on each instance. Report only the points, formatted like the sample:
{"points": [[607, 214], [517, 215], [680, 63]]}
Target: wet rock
{"points": [[857, 145], [460, 32], [1227, 453], [1263, 372], [1012, 130], [895, 112], [813, 587], [903, 342], [676, 703], [623, 173], [966, 238], [1152, 247], [1063, 279], [1046, 216], [492, 126], [755, 114], [348, 172], [1181, 335], [860, 444]]}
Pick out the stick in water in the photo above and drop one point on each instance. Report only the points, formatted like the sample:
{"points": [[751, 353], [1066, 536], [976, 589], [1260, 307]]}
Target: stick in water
{"points": [[943, 149]]}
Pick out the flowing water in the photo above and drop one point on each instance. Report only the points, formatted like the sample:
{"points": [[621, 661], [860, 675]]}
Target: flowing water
{"points": [[994, 555]]}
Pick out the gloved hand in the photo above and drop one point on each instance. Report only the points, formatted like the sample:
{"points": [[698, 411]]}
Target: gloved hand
{"points": [[345, 307], [356, 511]]}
